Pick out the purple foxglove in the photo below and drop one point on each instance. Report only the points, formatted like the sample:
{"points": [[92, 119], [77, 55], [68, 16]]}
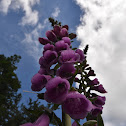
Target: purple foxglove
{"points": [[57, 30], [49, 58], [61, 45], [74, 124], [42, 71], [63, 32], [48, 47], [65, 26], [57, 90], [39, 81], [67, 40], [81, 53], [43, 41], [94, 82], [99, 88], [43, 120], [100, 101], [66, 71], [76, 105], [27, 124], [69, 56], [96, 110], [43, 63], [51, 36]]}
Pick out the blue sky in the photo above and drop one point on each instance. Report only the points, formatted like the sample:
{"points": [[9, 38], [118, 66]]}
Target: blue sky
{"points": [[99, 23]]}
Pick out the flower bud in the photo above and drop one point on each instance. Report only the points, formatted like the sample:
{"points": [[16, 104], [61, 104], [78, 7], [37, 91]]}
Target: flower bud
{"points": [[63, 32], [51, 36], [48, 47], [81, 53], [57, 30], [39, 81], [67, 40], [43, 41], [99, 88]]}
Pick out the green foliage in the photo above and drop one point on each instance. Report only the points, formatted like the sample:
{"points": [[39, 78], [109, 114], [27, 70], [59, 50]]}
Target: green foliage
{"points": [[100, 120], [9, 85], [90, 123]]}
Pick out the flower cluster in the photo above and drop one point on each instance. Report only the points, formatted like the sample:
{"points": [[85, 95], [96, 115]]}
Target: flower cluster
{"points": [[59, 66]]}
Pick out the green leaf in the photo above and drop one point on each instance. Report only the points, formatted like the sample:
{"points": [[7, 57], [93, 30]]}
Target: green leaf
{"points": [[100, 120], [72, 35], [55, 106], [74, 48], [93, 99], [86, 49], [57, 120], [40, 96], [90, 123], [56, 67]]}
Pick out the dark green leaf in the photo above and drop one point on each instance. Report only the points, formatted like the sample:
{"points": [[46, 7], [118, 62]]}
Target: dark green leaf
{"points": [[86, 49], [40, 96], [55, 106], [72, 36], [74, 48], [90, 123], [56, 67], [100, 120]]}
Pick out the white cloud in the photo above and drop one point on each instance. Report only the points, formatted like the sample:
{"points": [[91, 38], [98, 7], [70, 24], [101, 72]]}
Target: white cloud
{"points": [[31, 16], [56, 12], [32, 44], [4, 5], [103, 27]]}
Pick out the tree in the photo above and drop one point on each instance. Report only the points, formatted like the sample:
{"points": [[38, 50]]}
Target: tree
{"points": [[11, 114], [9, 85]]}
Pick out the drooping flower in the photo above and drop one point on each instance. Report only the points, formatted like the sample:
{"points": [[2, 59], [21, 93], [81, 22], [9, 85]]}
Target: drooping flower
{"points": [[74, 123], [81, 53], [51, 36], [57, 90], [49, 58], [77, 105], [39, 81], [65, 26], [99, 88], [67, 40], [44, 41], [100, 101], [96, 110], [61, 45], [43, 120], [48, 47], [66, 71], [69, 56]]}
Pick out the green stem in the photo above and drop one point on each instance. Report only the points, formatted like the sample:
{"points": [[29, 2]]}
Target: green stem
{"points": [[66, 120]]}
